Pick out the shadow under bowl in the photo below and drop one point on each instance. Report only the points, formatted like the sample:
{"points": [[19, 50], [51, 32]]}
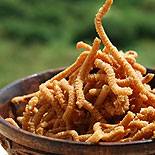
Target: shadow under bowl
{"points": [[19, 142]]}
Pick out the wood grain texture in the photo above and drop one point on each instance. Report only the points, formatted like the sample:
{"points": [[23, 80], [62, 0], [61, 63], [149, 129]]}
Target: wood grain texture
{"points": [[19, 142]]}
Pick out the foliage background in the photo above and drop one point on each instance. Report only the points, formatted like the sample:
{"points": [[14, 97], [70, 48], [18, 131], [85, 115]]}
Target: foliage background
{"points": [[37, 35]]}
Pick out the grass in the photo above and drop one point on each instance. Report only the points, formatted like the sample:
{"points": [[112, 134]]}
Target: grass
{"points": [[18, 60]]}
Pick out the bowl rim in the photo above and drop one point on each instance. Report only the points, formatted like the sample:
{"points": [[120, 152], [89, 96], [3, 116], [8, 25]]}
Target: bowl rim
{"points": [[32, 135]]}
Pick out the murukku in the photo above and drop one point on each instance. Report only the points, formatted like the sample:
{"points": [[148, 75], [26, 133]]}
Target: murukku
{"points": [[70, 108], [81, 44], [145, 133], [117, 107], [114, 52], [139, 67], [12, 121], [138, 124], [89, 60], [105, 50], [104, 57], [28, 111], [111, 78], [22, 99], [127, 119], [63, 134], [147, 78], [95, 91], [103, 96], [37, 117], [146, 114], [59, 94]]}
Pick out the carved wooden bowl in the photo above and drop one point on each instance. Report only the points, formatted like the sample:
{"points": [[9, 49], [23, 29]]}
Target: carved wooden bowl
{"points": [[19, 142]]}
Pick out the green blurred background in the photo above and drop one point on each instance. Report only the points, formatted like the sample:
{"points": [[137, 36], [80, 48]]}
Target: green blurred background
{"points": [[36, 35]]}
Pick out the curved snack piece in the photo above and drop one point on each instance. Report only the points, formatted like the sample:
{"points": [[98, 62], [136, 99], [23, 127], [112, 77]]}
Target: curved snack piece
{"points": [[28, 112], [84, 72], [111, 78], [22, 99], [12, 121], [103, 96], [81, 44]]}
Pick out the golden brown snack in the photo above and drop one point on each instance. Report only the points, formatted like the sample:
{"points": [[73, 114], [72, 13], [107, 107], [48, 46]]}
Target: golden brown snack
{"points": [[103, 96]]}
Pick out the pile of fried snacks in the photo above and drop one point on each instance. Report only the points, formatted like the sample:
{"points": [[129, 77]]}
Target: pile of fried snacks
{"points": [[102, 97]]}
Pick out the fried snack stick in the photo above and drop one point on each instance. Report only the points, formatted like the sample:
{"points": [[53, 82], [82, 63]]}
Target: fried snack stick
{"points": [[138, 124], [95, 91], [103, 77], [115, 135], [63, 134], [54, 131], [50, 114], [118, 107], [97, 135], [99, 28], [114, 52], [105, 50], [105, 57], [37, 117], [67, 115], [59, 94], [83, 138], [139, 67], [20, 119], [85, 68], [81, 101], [97, 77], [88, 86], [146, 114], [73, 76], [145, 133], [47, 124], [23, 99], [12, 122], [49, 98], [127, 119], [130, 59], [111, 78], [107, 128], [28, 111], [81, 44], [124, 82], [84, 72], [101, 97], [147, 78], [132, 53]]}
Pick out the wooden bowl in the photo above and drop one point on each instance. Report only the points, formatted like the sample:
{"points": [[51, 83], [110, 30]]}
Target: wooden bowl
{"points": [[19, 142]]}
